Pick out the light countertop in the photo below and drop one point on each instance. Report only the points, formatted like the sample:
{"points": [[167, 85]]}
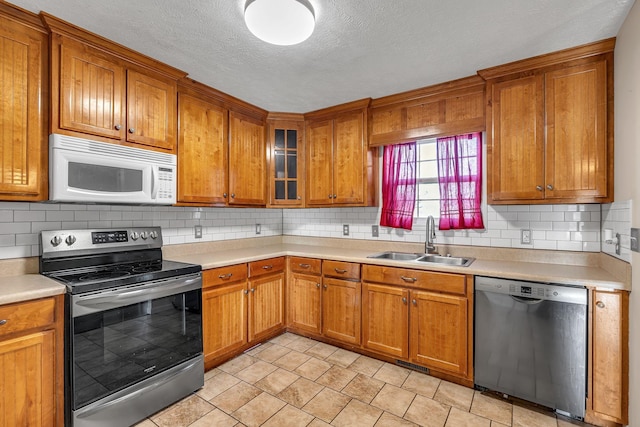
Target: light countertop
{"points": [[28, 286]]}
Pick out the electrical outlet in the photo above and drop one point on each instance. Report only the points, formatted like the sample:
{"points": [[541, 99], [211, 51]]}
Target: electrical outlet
{"points": [[197, 231], [258, 229], [634, 243], [525, 237], [345, 230], [374, 231]]}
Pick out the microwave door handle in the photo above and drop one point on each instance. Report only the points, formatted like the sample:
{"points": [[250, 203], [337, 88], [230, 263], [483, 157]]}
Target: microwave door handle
{"points": [[154, 182]]}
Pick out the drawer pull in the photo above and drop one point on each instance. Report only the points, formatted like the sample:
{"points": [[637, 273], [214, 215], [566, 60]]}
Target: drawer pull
{"points": [[600, 304], [409, 279], [3, 321], [339, 271], [304, 265], [225, 276], [267, 267]]}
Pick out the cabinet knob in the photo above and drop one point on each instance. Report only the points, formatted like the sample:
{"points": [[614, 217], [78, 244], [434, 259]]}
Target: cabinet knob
{"points": [[549, 187], [299, 198], [330, 196], [325, 286], [539, 187], [414, 302], [600, 304], [132, 130], [224, 195], [253, 290], [335, 196], [3, 321], [404, 300], [409, 279], [245, 292], [118, 127], [318, 285], [233, 195]]}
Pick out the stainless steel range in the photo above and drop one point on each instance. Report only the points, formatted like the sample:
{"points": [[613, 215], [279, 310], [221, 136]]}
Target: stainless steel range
{"points": [[133, 341]]}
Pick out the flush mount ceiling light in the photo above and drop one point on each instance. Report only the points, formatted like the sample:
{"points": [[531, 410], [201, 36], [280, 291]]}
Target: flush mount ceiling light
{"points": [[280, 22]]}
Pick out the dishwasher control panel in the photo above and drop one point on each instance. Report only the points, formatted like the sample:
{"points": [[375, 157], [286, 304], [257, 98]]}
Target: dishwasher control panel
{"points": [[532, 290]]}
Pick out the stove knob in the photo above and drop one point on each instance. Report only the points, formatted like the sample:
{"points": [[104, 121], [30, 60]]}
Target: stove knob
{"points": [[134, 235], [144, 235], [56, 240], [154, 234], [70, 240]]}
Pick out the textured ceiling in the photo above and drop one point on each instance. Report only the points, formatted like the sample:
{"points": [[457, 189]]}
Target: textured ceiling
{"points": [[359, 49]]}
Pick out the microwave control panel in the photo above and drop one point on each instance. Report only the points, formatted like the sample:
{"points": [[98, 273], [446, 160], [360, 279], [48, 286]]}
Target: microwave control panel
{"points": [[166, 184]]}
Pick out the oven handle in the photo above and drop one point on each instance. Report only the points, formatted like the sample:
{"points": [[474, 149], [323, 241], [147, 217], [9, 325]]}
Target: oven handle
{"points": [[143, 390], [102, 301]]}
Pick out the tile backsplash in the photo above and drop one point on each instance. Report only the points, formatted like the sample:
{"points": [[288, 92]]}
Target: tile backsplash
{"points": [[554, 227]]}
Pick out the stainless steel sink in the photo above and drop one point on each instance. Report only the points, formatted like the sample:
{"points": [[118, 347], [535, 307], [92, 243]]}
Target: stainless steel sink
{"points": [[447, 260], [396, 256], [425, 258]]}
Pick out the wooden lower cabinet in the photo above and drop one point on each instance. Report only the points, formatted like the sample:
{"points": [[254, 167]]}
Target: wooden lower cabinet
{"points": [[420, 317], [341, 310], [31, 363], [609, 356], [304, 296], [242, 305]]}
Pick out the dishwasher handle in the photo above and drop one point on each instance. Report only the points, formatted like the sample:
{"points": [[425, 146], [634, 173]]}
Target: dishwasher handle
{"points": [[525, 300]]}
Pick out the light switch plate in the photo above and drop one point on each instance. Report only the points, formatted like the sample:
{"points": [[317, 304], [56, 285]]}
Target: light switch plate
{"points": [[635, 244], [374, 231], [197, 231], [525, 237], [345, 230]]}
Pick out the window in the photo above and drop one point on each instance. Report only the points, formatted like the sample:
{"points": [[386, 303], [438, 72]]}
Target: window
{"points": [[428, 191]]}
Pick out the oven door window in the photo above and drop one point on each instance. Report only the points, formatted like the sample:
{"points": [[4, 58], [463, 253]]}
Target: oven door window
{"points": [[118, 347]]}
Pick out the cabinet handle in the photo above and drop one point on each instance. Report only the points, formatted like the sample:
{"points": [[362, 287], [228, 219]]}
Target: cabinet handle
{"points": [[539, 187], [335, 196], [325, 286], [224, 195], [253, 290], [299, 198], [233, 195], [3, 321], [225, 276], [245, 292], [267, 267], [318, 285], [549, 187], [340, 271], [404, 300], [409, 279], [600, 304], [304, 265], [118, 127], [330, 196], [132, 130], [414, 302]]}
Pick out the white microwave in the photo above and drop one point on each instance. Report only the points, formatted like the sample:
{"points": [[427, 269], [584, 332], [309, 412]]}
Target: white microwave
{"points": [[86, 171]]}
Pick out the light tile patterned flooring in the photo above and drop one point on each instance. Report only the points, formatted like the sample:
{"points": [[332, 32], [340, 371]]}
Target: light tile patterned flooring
{"points": [[295, 381]]}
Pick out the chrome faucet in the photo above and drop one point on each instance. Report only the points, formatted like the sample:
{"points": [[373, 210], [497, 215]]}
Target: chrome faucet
{"points": [[429, 247]]}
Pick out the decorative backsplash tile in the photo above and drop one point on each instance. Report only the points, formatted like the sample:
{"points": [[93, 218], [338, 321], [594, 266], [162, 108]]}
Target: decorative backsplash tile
{"points": [[556, 227]]}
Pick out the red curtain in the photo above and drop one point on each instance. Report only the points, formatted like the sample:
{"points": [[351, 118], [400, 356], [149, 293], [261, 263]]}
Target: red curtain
{"points": [[460, 180], [398, 185]]}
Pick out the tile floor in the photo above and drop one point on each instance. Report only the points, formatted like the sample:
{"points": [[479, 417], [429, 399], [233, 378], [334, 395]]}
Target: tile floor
{"points": [[294, 381]]}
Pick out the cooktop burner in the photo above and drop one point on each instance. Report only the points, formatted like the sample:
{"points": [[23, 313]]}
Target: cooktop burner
{"points": [[93, 260]]}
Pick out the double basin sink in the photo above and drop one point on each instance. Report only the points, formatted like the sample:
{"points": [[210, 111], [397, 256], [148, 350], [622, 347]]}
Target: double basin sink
{"points": [[424, 258]]}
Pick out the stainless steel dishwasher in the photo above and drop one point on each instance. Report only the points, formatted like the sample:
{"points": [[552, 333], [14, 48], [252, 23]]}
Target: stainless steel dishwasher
{"points": [[531, 342]]}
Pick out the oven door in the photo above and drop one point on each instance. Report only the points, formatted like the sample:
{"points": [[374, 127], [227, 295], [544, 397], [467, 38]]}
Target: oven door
{"points": [[120, 337]]}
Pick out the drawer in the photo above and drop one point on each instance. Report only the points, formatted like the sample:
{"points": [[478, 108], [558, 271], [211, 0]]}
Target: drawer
{"points": [[27, 315], [419, 279], [266, 266], [305, 265], [224, 275], [343, 270]]}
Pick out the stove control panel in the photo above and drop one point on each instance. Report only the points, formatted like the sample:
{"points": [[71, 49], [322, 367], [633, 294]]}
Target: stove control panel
{"points": [[109, 237], [59, 242]]}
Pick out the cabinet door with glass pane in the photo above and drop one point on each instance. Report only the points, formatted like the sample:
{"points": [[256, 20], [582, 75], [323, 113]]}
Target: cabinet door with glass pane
{"points": [[286, 167]]}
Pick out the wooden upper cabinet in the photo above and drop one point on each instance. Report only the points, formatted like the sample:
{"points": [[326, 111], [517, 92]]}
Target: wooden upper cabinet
{"points": [[151, 110], [202, 151], [341, 170], [444, 109], [92, 91], [550, 127], [247, 160], [286, 160], [516, 151], [23, 107], [107, 91]]}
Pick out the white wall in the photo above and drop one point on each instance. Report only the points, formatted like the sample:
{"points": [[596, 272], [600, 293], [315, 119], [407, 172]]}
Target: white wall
{"points": [[627, 173]]}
